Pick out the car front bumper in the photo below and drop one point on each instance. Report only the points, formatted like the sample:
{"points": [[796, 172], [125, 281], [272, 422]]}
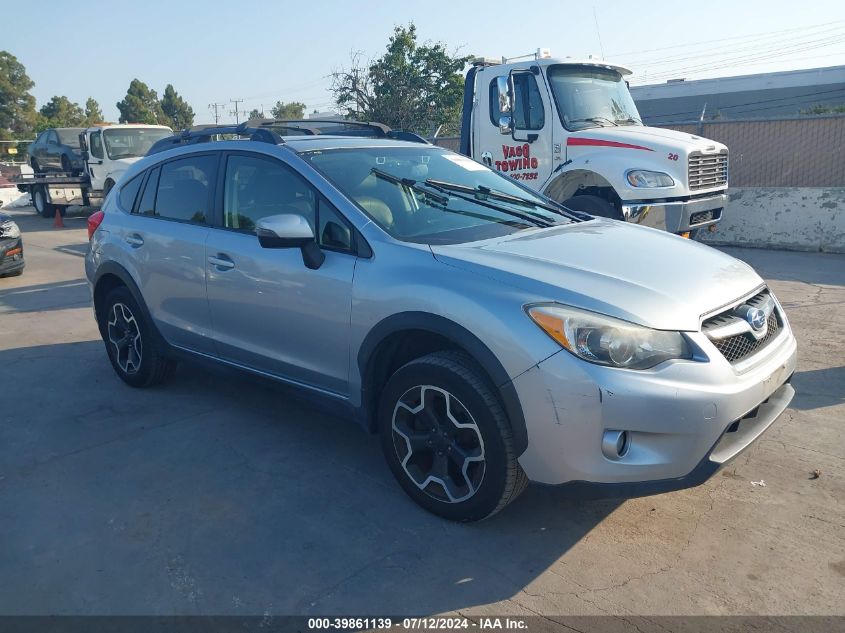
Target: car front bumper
{"points": [[677, 216], [11, 255], [685, 419]]}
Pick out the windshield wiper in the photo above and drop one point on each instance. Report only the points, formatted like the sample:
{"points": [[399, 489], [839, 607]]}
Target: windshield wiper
{"points": [[473, 194], [594, 119], [629, 119], [554, 207], [410, 184], [444, 200]]}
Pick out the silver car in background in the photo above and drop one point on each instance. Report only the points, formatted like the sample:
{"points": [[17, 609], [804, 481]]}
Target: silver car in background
{"points": [[489, 335]]}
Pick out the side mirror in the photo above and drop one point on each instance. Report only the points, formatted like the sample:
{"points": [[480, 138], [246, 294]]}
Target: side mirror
{"points": [[505, 105], [290, 230]]}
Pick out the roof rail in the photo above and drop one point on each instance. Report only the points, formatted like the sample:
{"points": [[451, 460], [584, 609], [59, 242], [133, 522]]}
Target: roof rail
{"points": [[273, 130], [338, 127]]}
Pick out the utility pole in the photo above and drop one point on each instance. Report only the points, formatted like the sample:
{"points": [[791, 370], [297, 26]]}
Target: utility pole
{"points": [[214, 106], [235, 112]]}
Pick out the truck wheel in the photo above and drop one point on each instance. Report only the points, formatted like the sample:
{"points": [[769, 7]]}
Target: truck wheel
{"points": [[39, 201], [447, 439], [107, 188], [594, 205]]}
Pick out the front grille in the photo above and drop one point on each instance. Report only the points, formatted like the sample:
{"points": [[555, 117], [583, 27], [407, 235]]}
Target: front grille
{"points": [[741, 346], [707, 170], [700, 217]]}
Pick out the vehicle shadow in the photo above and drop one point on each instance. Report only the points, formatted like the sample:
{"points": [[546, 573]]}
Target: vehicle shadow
{"points": [[818, 388], [58, 295], [228, 495], [812, 268]]}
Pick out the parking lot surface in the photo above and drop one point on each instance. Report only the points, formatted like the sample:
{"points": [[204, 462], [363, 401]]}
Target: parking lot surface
{"points": [[220, 494]]}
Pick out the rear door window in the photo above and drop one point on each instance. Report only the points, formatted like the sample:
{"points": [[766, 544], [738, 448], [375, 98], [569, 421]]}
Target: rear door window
{"points": [[184, 189]]}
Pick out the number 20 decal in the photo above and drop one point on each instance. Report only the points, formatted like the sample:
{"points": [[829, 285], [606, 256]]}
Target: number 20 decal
{"points": [[673, 156]]}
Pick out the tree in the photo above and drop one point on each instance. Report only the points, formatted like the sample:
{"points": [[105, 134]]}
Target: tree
{"points": [[416, 87], [824, 108], [93, 114], [140, 105], [292, 110], [179, 114], [255, 114], [61, 112], [17, 107]]}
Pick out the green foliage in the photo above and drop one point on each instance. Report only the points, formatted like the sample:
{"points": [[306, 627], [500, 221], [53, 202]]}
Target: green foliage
{"points": [[17, 107], [179, 114], [141, 105], [292, 110], [255, 113], [60, 112], [93, 114], [822, 108], [416, 87]]}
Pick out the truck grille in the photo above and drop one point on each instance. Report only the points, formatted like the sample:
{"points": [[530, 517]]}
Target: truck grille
{"points": [[737, 347], [708, 170]]}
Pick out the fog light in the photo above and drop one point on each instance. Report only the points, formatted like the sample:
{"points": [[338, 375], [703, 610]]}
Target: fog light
{"points": [[614, 444]]}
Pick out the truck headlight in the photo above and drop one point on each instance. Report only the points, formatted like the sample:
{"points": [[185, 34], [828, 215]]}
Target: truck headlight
{"points": [[10, 230], [604, 340], [645, 178]]}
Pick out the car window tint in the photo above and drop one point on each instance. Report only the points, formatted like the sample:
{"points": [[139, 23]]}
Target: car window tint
{"points": [[183, 188], [129, 191], [528, 111], [148, 199], [257, 187], [334, 231], [96, 145]]}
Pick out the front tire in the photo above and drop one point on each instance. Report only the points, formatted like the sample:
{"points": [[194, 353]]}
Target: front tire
{"points": [[129, 341], [447, 439], [594, 205]]}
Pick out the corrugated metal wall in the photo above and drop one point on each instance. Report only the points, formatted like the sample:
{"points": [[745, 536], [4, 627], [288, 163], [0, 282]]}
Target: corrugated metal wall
{"points": [[793, 152]]}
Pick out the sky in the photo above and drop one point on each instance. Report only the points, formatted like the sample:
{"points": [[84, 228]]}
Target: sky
{"points": [[212, 52]]}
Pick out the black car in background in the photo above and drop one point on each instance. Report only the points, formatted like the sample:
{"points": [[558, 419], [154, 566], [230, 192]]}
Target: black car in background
{"points": [[57, 149], [11, 247]]}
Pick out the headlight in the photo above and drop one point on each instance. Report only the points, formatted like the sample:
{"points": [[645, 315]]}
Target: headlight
{"points": [[10, 230], [607, 341], [644, 178]]}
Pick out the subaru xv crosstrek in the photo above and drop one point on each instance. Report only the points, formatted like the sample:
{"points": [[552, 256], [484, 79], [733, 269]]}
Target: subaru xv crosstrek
{"points": [[489, 335]]}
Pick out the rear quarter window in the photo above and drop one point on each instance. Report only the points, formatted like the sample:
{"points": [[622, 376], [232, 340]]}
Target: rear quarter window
{"points": [[128, 193]]}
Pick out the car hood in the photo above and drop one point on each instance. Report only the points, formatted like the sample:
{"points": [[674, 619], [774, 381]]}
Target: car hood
{"points": [[631, 272], [642, 137]]}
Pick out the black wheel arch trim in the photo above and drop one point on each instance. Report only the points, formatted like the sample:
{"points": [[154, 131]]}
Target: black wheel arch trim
{"points": [[113, 268], [462, 338]]}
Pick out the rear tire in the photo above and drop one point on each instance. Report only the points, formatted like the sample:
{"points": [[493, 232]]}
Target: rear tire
{"points": [[594, 205], [130, 343], [447, 439], [39, 201], [35, 166]]}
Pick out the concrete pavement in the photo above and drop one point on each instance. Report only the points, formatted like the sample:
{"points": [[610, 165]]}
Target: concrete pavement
{"points": [[220, 494]]}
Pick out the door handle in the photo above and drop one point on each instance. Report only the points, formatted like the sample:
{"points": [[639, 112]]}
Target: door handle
{"points": [[221, 262], [134, 240]]}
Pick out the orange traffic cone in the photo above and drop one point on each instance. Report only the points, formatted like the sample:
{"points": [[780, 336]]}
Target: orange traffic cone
{"points": [[58, 223]]}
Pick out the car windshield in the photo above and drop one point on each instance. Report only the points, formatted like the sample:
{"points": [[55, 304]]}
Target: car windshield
{"points": [[433, 196], [589, 96], [69, 136], [132, 142]]}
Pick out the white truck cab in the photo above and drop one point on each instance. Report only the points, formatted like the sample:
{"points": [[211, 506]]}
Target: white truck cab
{"points": [[570, 129], [108, 151]]}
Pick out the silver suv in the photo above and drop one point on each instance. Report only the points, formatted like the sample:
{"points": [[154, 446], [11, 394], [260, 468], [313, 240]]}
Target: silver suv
{"points": [[487, 334]]}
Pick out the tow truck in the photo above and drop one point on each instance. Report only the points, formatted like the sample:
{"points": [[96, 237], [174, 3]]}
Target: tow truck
{"points": [[570, 129], [107, 151]]}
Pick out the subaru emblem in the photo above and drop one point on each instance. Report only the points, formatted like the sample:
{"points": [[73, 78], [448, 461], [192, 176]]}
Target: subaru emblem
{"points": [[756, 318]]}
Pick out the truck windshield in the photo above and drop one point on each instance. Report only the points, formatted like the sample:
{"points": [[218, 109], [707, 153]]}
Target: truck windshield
{"points": [[132, 142], [589, 96], [434, 196]]}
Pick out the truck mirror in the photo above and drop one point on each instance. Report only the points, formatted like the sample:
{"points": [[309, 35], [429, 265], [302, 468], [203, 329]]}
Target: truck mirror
{"points": [[505, 125], [504, 94]]}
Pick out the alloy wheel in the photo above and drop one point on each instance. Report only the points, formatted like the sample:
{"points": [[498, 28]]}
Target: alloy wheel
{"points": [[125, 337], [438, 443]]}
